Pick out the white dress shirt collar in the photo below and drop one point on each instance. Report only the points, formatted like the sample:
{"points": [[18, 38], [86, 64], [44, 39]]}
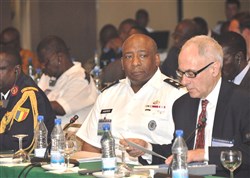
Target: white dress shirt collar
{"points": [[5, 96], [237, 80]]}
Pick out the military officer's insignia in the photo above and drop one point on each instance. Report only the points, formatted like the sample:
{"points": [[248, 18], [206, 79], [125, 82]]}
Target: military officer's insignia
{"points": [[21, 114], [156, 102], [152, 125], [14, 90], [173, 82]]}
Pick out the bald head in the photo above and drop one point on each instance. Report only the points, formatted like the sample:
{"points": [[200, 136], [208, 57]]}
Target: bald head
{"points": [[207, 48], [141, 37], [200, 63], [140, 59]]}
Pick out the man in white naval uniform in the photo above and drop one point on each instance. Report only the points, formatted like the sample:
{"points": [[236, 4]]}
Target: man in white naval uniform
{"points": [[73, 91], [139, 107]]}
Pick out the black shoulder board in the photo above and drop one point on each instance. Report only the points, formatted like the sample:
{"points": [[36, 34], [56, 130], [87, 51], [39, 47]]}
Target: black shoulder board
{"points": [[110, 85], [173, 82], [87, 77]]}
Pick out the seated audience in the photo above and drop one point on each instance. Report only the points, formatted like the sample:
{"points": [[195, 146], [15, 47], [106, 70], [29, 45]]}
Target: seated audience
{"points": [[184, 30], [241, 24], [223, 105], [203, 28], [142, 19], [235, 66], [21, 102], [232, 7], [110, 45], [124, 28], [70, 89], [138, 107], [11, 37]]}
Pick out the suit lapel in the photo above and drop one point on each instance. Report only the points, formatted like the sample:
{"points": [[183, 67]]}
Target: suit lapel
{"points": [[246, 80], [221, 108]]}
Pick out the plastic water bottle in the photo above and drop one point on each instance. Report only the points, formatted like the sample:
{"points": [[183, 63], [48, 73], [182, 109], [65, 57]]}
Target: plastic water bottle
{"points": [[179, 151], [108, 151], [41, 135], [30, 68], [57, 145], [97, 77], [38, 75]]}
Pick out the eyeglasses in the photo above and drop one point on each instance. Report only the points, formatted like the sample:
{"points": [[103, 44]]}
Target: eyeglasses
{"points": [[190, 73]]}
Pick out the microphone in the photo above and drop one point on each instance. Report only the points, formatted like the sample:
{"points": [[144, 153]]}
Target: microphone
{"points": [[72, 120], [199, 126]]}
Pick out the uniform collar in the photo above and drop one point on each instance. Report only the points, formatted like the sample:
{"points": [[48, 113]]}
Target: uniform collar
{"points": [[5, 96], [155, 80]]}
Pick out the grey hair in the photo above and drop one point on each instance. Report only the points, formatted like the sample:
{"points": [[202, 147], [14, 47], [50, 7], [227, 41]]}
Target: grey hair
{"points": [[207, 47]]}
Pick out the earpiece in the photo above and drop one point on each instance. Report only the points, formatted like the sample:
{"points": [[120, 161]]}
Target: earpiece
{"points": [[16, 71]]}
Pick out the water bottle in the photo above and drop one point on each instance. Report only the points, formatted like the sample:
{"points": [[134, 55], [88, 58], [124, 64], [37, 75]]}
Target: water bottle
{"points": [[41, 135], [108, 151], [97, 77], [57, 145], [38, 75], [30, 68], [179, 151]]}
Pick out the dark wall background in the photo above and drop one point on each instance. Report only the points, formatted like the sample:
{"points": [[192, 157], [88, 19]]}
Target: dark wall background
{"points": [[74, 21]]}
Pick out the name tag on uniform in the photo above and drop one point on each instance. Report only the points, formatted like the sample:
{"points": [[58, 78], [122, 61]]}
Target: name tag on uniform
{"points": [[106, 111], [101, 122], [222, 143]]}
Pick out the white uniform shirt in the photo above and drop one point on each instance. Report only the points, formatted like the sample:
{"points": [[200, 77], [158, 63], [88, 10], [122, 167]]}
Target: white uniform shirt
{"points": [[146, 114], [72, 91]]}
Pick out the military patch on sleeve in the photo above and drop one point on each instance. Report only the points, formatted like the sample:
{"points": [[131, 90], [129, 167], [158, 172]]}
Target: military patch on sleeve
{"points": [[173, 82], [21, 114], [110, 85]]}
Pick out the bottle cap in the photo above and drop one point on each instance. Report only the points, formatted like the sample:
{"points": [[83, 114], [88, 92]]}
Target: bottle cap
{"points": [[58, 121], [40, 118], [179, 133], [106, 127]]}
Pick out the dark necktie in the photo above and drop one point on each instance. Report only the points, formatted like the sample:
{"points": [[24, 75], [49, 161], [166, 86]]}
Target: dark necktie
{"points": [[200, 138]]}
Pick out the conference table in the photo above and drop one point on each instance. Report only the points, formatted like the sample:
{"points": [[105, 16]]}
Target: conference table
{"points": [[38, 172]]}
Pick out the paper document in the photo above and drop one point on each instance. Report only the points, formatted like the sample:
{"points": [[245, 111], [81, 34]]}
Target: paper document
{"points": [[144, 149]]}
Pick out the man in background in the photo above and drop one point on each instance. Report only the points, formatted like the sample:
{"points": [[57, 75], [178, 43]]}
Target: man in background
{"points": [[142, 19], [235, 68], [21, 102], [71, 91], [232, 7], [241, 24], [11, 37]]}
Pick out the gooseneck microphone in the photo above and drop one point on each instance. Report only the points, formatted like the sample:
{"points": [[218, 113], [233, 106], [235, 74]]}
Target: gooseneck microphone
{"points": [[199, 126], [72, 120]]}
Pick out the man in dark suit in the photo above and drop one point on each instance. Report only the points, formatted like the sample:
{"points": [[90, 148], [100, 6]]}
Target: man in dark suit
{"points": [[227, 118], [236, 68], [20, 104]]}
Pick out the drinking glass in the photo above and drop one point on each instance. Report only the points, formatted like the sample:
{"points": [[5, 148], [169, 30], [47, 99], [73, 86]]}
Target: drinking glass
{"points": [[21, 154], [123, 169], [231, 160], [70, 147]]}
